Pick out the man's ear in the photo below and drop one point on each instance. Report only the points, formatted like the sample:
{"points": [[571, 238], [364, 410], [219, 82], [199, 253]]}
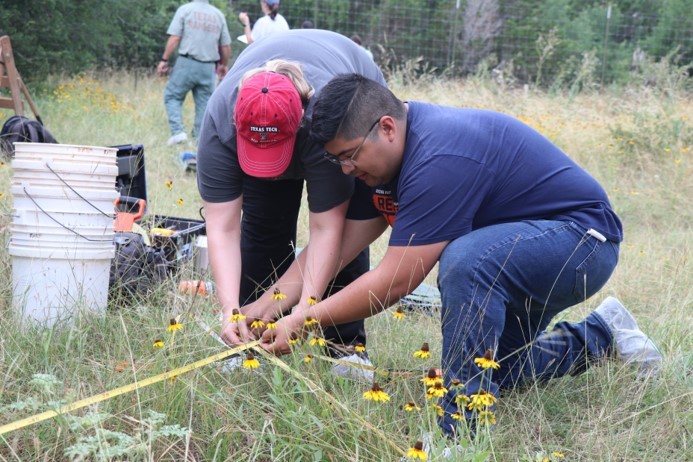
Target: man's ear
{"points": [[389, 126]]}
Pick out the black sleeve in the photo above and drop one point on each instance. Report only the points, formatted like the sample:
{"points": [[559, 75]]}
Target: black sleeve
{"points": [[361, 206], [219, 175]]}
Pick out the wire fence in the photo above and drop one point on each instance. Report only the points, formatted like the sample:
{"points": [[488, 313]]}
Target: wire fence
{"points": [[537, 41]]}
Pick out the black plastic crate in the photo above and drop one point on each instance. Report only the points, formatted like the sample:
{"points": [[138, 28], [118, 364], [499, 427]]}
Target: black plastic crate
{"points": [[178, 247]]}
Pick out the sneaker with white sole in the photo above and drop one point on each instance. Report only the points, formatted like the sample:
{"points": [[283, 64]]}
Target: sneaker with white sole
{"points": [[178, 138], [356, 371], [632, 345]]}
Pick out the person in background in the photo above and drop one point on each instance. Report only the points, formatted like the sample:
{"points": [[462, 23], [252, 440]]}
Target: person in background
{"points": [[200, 34], [254, 156], [519, 230], [307, 24], [271, 23], [357, 40]]}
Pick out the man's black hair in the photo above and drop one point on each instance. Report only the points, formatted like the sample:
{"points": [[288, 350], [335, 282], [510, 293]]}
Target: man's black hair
{"points": [[348, 105]]}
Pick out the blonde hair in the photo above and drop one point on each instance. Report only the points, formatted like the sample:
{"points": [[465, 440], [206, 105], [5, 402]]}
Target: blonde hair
{"points": [[289, 69]]}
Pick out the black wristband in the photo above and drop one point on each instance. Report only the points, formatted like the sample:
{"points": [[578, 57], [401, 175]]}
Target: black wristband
{"points": [[164, 60]]}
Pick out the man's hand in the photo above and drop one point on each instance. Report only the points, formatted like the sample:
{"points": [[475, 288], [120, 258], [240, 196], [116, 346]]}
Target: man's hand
{"points": [[162, 68], [276, 341]]}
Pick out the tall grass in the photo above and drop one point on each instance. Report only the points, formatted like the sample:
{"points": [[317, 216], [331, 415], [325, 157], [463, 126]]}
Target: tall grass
{"points": [[635, 141]]}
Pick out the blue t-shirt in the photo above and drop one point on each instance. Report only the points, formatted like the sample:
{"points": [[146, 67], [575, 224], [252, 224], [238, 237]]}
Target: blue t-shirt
{"points": [[464, 169]]}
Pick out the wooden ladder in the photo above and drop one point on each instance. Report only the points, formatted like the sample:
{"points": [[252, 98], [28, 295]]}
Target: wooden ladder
{"points": [[10, 78]]}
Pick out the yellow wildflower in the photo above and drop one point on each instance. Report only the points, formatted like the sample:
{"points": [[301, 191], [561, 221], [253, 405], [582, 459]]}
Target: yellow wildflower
{"points": [[312, 301], [308, 358], [432, 378], [481, 400], [169, 184], [174, 326], [250, 362], [278, 295], [456, 384], [398, 313], [360, 348], [310, 321], [236, 316], [424, 352], [461, 400], [417, 452], [487, 360], [257, 324], [487, 418], [438, 409], [317, 340], [376, 394], [411, 406], [457, 415], [271, 325], [179, 201], [436, 391], [158, 343]]}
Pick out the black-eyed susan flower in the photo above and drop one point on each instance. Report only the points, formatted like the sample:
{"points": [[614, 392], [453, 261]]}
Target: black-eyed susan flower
{"points": [[257, 324], [417, 452], [236, 315], [487, 361], [360, 348], [411, 406], [461, 400], [431, 378], [312, 301], [398, 313], [317, 341], [556, 454], [436, 391], [250, 362], [2, 195], [457, 415], [424, 352], [169, 184], [277, 294], [310, 321], [180, 201], [308, 358], [174, 325], [455, 383], [438, 409], [271, 325], [293, 340], [487, 418], [158, 343], [481, 400], [376, 394]]}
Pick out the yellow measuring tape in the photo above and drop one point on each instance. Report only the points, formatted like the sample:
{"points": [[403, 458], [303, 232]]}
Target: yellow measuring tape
{"points": [[16, 425]]}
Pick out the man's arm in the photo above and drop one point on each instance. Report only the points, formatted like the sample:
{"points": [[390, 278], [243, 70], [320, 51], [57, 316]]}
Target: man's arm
{"points": [[402, 269], [224, 238], [171, 46], [222, 68]]}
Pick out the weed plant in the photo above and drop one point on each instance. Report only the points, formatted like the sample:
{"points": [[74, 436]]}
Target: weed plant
{"points": [[636, 141]]}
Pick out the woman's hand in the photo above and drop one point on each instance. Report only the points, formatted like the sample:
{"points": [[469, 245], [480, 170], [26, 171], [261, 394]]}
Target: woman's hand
{"points": [[276, 341]]}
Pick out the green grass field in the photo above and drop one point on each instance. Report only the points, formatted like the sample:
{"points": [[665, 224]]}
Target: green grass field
{"points": [[636, 141]]}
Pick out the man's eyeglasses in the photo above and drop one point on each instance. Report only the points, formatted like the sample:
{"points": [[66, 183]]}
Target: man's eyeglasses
{"points": [[349, 161]]}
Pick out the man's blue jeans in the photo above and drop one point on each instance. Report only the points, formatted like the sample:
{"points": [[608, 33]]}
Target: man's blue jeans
{"points": [[188, 75], [500, 287]]}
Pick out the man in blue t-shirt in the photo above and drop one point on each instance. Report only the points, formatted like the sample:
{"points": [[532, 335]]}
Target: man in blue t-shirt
{"points": [[520, 230]]}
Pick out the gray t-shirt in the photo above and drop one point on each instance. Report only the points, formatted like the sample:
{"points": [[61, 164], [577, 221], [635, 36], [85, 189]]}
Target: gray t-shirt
{"points": [[322, 55], [202, 28]]}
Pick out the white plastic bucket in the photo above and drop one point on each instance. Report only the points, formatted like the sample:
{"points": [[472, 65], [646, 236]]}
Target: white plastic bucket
{"points": [[53, 284], [61, 240]]}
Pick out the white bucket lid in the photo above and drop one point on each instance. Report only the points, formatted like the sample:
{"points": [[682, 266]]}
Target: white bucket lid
{"points": [[64, 149]]}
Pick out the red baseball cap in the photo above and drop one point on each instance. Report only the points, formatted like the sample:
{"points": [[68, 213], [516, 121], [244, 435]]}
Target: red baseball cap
{"points": [[268, 114]]}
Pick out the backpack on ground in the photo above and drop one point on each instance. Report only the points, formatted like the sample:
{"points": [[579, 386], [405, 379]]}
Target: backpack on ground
{"points": [[137, 267], [21, 129]]}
